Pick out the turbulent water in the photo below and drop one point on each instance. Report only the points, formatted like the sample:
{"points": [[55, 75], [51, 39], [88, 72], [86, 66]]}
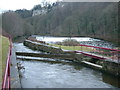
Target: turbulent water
{"points": [[21, 48], [43, 74], [82, 40], [50, 75]]}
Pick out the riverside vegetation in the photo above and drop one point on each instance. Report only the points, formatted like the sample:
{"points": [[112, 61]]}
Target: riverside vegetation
{"points": [[71, 44]]}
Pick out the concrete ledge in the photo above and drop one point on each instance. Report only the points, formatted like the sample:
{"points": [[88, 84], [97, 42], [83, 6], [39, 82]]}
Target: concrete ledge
{"points": [[58, 56], [14, 74], [94, 65], [24, 58]]}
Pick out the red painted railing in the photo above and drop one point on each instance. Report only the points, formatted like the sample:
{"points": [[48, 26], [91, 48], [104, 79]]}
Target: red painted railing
{"points": [[113, 54], [100, 47], [6, 78]]}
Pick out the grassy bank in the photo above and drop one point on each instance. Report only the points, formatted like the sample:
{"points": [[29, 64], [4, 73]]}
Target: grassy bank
{"points": [[78, 48], [4, 47]]}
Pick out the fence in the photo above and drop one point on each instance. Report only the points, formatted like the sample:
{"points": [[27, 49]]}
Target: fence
{"points": [[6, 78], [113, 54]]}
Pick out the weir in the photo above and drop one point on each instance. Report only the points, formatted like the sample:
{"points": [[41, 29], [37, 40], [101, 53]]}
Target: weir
{"points": [[58, 56], [102, 64]]}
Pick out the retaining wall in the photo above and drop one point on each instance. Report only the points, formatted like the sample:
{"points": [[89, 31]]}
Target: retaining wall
{"points": [[42, 47], [112, 68]]}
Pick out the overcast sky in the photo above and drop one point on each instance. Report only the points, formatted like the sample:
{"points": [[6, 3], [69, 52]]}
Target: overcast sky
{"points": [[19, 4], [29, 4]]}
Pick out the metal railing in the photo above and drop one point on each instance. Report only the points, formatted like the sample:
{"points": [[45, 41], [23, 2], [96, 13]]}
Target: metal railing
{"points": [[109, 53], [6, 78]]}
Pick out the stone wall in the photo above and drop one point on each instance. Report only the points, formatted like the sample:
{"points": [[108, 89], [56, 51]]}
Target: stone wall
{"points": [[53, 50], [43, 47], [111, 67]]}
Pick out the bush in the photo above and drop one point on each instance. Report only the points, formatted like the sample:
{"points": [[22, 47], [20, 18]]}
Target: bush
{"points": [[58, 43], [70, 42]]}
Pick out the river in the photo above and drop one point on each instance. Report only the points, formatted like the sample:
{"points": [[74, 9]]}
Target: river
{"points": [[43, 74], [82, 40]]}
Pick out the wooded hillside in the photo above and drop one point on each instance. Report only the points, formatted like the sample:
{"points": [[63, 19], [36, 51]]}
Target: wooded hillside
{"points": [[13, 24], [98, 20]]}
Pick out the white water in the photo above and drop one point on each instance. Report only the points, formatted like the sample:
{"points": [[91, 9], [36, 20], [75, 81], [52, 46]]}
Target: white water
{"points": [[82, 40], [60, 39]]}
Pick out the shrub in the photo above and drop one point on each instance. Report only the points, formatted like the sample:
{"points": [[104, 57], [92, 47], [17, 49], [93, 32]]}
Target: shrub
{"points": [[58, 43], [70, 42]]}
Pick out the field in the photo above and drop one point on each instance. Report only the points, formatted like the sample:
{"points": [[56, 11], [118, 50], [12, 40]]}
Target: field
{"points": [[4, 46]]}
